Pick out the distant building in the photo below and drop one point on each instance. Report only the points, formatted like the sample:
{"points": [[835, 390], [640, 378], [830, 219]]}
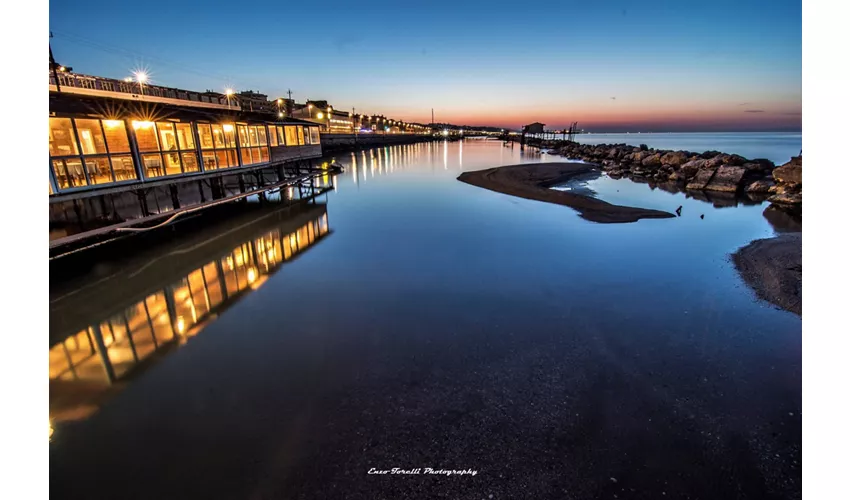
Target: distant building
{"points": [[255, 101], [534, 128]]}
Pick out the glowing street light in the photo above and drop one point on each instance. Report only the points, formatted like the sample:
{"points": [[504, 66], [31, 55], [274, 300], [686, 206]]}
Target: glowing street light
{"points": [[141, 77]]}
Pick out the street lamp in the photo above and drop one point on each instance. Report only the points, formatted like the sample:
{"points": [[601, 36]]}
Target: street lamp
{"points": [[228, 93], [141, 77]]}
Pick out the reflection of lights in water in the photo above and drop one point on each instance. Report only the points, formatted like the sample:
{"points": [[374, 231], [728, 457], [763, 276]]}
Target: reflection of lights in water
{"points": [[252, 275], [181, 324], [50, 437], [163, 318]]}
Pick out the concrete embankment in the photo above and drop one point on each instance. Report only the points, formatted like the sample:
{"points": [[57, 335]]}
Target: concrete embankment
{"points": [[334, 143]]}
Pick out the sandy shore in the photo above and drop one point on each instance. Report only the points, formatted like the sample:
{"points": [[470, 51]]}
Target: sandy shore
{"points": [[773, 267], [533, 181]]}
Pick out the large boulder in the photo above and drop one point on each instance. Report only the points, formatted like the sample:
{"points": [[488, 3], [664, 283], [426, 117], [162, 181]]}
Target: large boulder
{"points": [[760, 186], [701, 179], [690, 169], [727, 179], [787, 199], [791, 172], [674, 158], [652, 161]]}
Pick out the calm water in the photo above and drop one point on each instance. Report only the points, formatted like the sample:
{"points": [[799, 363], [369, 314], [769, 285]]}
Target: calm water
{"points": [[778, 147], [412, 321]]}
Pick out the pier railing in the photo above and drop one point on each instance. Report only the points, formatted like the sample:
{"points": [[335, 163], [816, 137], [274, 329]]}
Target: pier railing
{"points": [[75, 83]]}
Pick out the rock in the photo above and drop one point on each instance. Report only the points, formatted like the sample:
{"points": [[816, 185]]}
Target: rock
{"points": [[701, 179], [760, 186], [726, 178], [643, 147], [690, 169], [716, 161], [787, 199], [613, 153], [675, 158], [765, 163], [735, 160], [652, 161], [709, 154], [674, 176], [791, 172]]}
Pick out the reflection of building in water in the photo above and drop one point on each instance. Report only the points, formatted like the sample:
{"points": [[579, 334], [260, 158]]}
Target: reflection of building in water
{"points": [[99, 339]]}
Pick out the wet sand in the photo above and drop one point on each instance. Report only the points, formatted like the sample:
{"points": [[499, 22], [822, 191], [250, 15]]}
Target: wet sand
{"points": [[533, 182], [773, 268]]}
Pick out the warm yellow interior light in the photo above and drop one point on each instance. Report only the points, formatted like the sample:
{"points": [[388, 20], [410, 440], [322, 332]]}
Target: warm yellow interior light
{"points": [[142, 124]]}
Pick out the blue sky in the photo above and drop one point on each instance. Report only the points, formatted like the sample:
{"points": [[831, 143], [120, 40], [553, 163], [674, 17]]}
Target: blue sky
{"points": [[615, 66]]}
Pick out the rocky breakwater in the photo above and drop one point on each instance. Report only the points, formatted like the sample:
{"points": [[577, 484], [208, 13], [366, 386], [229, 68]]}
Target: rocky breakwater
{"points": [[708, 171]]}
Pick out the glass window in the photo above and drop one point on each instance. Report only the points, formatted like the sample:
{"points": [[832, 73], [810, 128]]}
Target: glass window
{"points": [[153, 165], [74, 175], [62, 178], [122, 166], [280, 137], [209, 160], [167, 138], [229, 135], [190, 162], [116, 136], [272, 136], [99, 171], [233, 159], [252, 136], [62, 141], [185, 137], [91, 137], [261, 134], [314, 133], [300, 135], [291, 136], [145, 136], [244, 141], [246, 156], [205, 136], [222, 159], [172, 163], [218, 135], [307, 139]]}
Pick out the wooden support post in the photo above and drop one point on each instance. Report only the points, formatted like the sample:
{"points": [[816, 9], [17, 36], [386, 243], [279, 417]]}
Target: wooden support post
{"points": [[175, 199]]}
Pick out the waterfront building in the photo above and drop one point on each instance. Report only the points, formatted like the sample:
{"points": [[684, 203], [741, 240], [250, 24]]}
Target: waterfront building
{"points": [[121, 150]]}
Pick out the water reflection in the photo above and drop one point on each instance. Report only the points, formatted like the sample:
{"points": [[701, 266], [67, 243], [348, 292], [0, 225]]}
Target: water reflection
{"points": [[106, 335]]}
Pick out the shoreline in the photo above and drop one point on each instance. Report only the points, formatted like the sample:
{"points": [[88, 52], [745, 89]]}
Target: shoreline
{"points": [[773, 269], [533, 182]]}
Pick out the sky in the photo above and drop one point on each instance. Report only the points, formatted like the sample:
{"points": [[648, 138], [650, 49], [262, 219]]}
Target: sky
{"points": [[611, 66]]}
